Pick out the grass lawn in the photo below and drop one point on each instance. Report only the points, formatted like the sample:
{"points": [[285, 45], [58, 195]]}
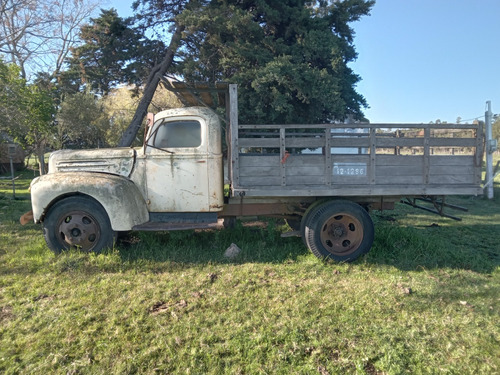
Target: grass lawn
{"points": [[425, 300]]}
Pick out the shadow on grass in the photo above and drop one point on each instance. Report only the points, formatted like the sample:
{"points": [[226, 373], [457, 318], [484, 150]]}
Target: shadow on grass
{"points": [[257, 244]]}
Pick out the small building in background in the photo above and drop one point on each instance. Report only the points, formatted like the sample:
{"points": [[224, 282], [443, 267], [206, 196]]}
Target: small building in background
{"points": [[8, 149]]}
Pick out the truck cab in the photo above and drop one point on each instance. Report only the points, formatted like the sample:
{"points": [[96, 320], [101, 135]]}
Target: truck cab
{"points": [[182, 162], [174, 180]]}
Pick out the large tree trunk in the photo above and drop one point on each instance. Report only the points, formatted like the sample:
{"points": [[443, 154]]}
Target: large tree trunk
{"points": [[152, 83]]}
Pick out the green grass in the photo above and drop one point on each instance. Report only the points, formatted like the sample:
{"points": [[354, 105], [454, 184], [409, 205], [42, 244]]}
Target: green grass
{"points": [[425, 300]]}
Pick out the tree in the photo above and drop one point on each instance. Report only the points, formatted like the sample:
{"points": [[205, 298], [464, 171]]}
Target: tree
{"points": [[12, 94], [82, 122], [37, 35], [119, 106], [112, 53], [38, 127], [496, 129], [26, 113], [289, 57], [165, 15]]}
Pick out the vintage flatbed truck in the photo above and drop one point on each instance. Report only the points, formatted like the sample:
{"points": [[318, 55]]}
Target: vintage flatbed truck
{"points": [[323, 178]]}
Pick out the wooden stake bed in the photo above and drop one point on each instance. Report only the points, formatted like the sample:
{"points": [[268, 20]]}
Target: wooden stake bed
{"points": [[356, 159]]}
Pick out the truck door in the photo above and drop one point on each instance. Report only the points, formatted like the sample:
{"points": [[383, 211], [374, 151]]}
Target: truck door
{"points": [[176, 165]]}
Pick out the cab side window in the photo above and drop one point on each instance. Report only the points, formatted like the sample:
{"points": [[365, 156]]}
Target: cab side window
{"points": [[178, 134]]}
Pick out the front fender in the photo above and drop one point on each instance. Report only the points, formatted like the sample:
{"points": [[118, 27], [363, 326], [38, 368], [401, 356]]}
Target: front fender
{"points": [[119, 196]]}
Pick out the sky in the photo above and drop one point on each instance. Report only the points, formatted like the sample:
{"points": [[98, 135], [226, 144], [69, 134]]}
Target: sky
{"points": [[423, 60]]}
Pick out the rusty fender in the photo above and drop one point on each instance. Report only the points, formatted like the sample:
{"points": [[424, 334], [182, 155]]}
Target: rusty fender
{"points": [[119, 196]]}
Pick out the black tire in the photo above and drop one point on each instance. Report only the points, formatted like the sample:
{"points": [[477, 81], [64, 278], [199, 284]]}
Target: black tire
{"points": [[339, 229], [78, 222], [307, 216]]}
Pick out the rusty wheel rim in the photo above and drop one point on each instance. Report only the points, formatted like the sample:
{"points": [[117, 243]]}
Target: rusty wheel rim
{"points": [[79, 229], [341, 234]]}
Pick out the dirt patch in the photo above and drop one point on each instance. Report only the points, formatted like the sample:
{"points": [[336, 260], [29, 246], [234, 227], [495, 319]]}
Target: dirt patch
{"points": [[6, 313], [162, 307]]}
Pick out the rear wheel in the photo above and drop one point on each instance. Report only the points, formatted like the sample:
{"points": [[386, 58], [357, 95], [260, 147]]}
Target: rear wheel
{"points": [[340, 230], [78, 222]]}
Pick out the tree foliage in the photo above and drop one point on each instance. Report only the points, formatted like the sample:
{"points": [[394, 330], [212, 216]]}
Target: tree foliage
{"points": [[120, 104], [82, 122], [26, 112], [496, 129], [112, 53], [289, 57], [12, 93]]}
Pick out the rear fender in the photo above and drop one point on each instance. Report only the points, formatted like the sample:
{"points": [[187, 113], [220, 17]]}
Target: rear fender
{"points": [[119, 196]]}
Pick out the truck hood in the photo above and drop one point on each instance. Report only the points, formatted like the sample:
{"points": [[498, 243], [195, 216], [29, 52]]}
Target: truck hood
{"points": [[119, 161]]}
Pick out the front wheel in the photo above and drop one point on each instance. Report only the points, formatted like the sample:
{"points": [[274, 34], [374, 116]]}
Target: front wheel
{"points": [[339, 229], [78, 222]]}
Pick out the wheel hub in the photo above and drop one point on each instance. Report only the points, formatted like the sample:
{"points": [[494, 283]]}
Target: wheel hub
{"points": [[79, 229], [342, 234], [337, 231]]}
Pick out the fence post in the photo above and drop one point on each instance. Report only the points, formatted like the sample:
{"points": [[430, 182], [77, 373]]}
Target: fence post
{"points": [[489, 151]]}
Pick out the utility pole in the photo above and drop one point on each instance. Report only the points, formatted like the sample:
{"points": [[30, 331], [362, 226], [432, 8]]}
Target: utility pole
{"points": [[490, 148]]}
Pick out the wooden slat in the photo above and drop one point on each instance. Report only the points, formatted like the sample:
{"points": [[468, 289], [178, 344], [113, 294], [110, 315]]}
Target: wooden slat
{"points": [[360, 126], [452, 142], [452, 160], [399, 142], [349, 180], [305, 180], [327, 165], [373, 156], [451, 179], [354, 142], [452, 170], [427, 133], [233, 122], [259, 171], [304, 160], [384, 171], [400, 160], [351, 158], [308, 127], [260, 160], [414, 179], [283, 157], [260, 181], [317, 170], [478, 156], [363, 190], [305, 142], [259, 142]]}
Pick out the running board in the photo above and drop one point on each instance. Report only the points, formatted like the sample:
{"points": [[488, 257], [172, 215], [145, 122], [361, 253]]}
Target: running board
{"points": [[166, 221], [155, 226], [438, 204]]}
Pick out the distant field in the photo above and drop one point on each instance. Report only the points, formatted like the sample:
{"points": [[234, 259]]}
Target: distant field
{"points": [[425, 300]]}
